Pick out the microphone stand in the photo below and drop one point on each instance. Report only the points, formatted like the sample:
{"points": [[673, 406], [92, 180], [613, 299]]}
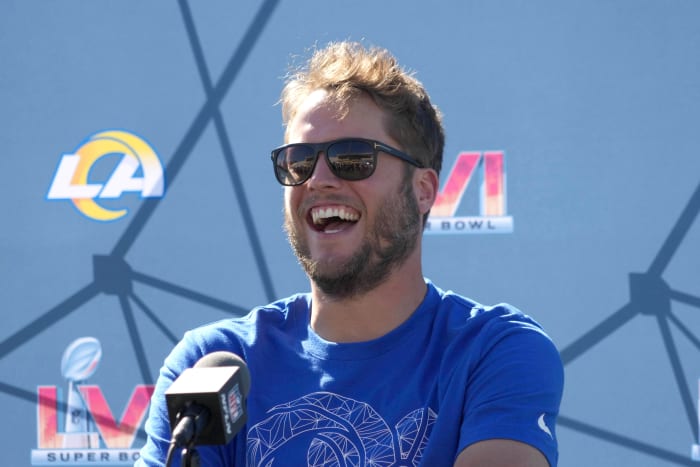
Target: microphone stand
{"points": [[190, 457]]}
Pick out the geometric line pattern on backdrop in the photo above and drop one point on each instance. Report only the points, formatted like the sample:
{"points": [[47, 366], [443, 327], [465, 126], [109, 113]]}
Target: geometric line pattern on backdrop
{"points": [[111, 273], [650, 295]]}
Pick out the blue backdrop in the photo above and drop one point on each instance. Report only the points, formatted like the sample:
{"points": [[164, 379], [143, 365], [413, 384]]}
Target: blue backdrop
{"points": [[595, 106]]}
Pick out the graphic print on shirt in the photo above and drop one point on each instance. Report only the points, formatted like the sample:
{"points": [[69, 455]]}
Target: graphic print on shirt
{"points": [[332, 430]]}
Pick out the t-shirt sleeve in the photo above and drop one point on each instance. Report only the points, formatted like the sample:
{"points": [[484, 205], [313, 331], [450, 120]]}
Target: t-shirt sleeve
{"points": [[155, 450], [153, 454], [514, 388]]}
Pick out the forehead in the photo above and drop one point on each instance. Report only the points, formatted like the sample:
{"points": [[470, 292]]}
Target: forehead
{"points": [[320, 119]]}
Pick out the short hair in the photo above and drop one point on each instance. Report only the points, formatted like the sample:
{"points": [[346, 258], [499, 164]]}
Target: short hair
{"points": [[345, 69]]}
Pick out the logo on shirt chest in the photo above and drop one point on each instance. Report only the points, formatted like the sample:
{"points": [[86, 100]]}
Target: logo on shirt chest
{"points": [[329, 429]]}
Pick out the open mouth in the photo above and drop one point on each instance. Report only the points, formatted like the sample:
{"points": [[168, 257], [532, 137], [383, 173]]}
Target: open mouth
{"points": [[333, 219]]}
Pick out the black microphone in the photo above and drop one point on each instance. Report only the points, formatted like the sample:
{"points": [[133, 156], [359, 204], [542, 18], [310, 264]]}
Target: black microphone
{"points": [[207, 403]]}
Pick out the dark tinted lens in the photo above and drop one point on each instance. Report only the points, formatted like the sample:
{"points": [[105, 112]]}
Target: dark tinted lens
{"points": [[352, 160], [294, 164]]}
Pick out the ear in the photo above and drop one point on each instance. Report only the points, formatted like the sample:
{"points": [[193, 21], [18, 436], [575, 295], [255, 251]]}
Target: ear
{"points": [[425, 185]]}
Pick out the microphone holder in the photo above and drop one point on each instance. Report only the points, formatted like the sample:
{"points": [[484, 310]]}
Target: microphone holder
{"points": [[191, 421]]}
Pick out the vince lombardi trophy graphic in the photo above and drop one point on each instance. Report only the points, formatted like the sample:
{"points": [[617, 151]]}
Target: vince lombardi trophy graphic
{"points": [[79, 362]]}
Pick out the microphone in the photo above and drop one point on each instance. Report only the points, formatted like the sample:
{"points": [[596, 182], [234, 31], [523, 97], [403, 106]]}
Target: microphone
{"points": [[207, 403]]}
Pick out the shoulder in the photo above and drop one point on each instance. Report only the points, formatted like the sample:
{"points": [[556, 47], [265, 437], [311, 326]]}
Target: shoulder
{"points": [[499, 334], [467, 318]]}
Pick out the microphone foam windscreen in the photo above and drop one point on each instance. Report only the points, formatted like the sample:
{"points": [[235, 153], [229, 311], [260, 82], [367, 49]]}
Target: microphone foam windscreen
{"points": [[223, 358]]}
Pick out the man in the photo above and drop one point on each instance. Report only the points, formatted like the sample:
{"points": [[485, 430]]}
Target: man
{"points": [[376, 365]]}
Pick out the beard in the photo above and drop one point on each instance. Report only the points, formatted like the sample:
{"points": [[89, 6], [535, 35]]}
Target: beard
{"points": [[391, 239]]}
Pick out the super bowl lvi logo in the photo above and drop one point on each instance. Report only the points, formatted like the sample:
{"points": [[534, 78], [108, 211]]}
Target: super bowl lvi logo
{"points": [[77, 427], [492, 218]]}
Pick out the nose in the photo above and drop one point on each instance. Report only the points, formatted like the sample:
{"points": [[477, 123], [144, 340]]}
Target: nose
{"points": [[322, 176]]}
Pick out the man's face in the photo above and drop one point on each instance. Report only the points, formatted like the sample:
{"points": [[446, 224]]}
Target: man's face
{"points": [[349, 235]]}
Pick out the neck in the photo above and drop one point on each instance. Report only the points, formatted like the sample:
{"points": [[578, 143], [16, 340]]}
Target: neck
{"points": [[372, 314]]}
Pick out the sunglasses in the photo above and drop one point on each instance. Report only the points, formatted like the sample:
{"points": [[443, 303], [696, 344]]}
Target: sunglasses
{"points": [[349, 158]]}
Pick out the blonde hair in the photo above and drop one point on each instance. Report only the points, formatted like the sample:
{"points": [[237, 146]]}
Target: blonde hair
{"points": [[345, 69]]}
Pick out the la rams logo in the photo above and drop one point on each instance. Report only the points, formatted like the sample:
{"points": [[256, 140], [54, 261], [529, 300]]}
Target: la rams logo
{"points": [[71, 180]]}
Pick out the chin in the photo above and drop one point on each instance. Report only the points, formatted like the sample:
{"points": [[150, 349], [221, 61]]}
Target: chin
{"points": [[330, 265]]}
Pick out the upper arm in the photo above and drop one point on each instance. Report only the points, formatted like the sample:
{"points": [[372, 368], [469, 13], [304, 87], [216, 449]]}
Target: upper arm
{"points": [[500, 453], [512, 402]]}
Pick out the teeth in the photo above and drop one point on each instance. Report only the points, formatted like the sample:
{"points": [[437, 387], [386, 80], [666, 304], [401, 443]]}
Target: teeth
{"points": [[320, 215]]}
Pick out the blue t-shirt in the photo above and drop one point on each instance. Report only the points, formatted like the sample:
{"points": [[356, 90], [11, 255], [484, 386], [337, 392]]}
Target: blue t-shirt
{"points": [[454, 373]]}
